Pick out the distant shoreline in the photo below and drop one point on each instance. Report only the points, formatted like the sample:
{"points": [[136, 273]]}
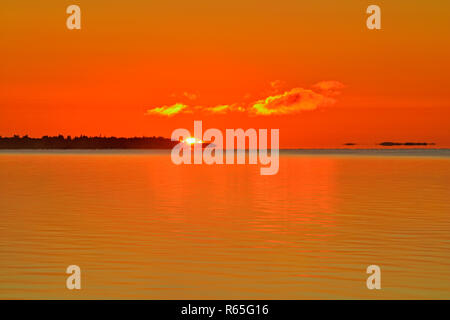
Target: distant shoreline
{"points": [[84, 143], [300, 150], [160, 143]]}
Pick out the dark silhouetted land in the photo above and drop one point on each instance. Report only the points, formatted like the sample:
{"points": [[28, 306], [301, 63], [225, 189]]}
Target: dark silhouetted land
{"points": [[84, 142], [390, 144]]}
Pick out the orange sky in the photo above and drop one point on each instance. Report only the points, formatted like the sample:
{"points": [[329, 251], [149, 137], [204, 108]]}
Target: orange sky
{"points": [[134, 56]]}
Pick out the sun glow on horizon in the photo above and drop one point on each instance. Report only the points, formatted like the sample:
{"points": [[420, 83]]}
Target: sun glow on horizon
{"points": [[192, 140]]}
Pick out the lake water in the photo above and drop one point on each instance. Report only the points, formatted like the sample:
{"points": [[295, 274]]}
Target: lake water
{"points": [[141, 227]]}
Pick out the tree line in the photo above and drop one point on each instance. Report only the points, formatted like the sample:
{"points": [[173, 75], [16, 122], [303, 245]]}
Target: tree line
{"points": [[85, 142]]}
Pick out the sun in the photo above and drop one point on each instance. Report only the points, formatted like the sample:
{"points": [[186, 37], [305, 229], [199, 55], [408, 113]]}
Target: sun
{"points": [[192, 140]]}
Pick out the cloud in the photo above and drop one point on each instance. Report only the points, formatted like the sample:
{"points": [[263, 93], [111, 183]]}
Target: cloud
{"points": [[329, 88], [219, 109], [290, 102], [168, 110]]}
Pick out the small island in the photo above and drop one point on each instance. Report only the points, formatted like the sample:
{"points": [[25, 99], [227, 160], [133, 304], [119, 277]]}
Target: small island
{"points": [[408, 144]]}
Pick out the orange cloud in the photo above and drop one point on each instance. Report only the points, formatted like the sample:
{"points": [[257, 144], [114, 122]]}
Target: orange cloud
{"points": [[289, 102], [329, 88], [168, 110], [292, 101]]}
